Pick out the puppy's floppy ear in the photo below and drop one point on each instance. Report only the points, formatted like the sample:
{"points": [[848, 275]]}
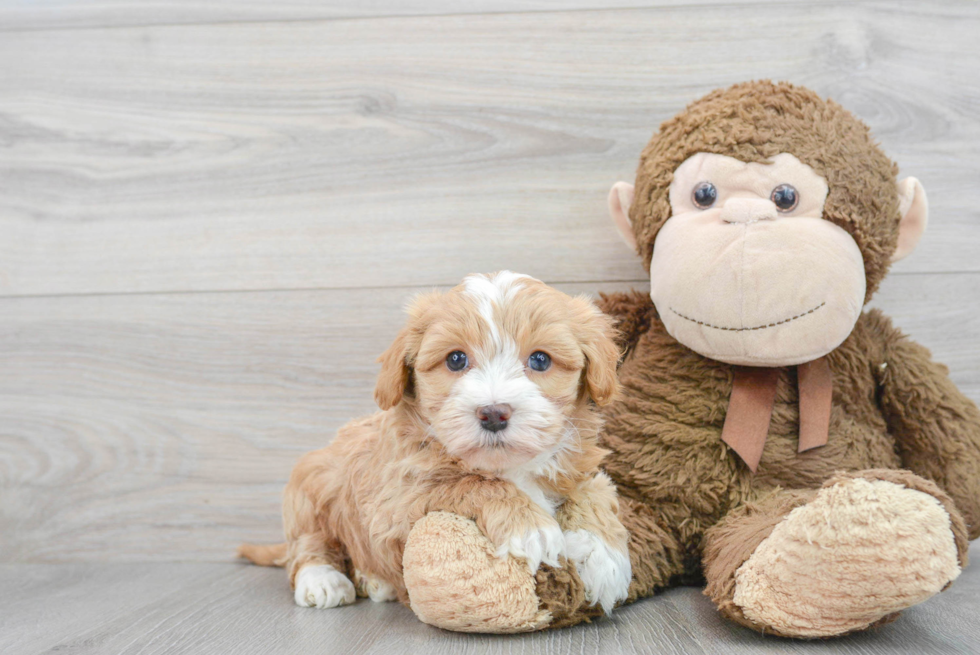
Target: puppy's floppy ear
{"points": [[395, 378], [601, 355], [395, 373]]}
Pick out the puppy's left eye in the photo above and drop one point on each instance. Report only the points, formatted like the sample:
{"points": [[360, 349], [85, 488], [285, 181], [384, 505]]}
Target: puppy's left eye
{"points": [[456, 361], [539, 361]]}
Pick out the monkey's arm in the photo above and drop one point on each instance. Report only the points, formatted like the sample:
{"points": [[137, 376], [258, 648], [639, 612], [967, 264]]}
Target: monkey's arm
{"points": [[936, 427], [632, 312]]}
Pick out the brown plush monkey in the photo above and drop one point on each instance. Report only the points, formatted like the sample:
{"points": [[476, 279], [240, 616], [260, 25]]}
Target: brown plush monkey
{"points": [[801, 456]]}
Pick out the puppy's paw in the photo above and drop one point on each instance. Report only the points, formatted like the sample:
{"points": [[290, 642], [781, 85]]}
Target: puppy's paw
{"points": [[537, 545], [323, 587], [374, 588], [605, 571]]}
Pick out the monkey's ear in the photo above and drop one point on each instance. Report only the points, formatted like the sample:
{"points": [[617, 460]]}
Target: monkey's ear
{"points": [[914, 208], [620, 199]]}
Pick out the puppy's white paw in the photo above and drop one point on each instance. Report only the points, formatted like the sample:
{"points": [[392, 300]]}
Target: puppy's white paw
{"points": [[376, 589], [536, 546], [605, 571], [323, 587]]}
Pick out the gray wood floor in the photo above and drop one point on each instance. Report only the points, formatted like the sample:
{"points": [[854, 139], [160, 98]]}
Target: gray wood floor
{"points": [[212, 213], [171, 608]]}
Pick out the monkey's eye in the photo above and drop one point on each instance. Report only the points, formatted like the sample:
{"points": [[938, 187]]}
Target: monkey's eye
{"points": [[704, 195], [539, 361], [456, 361], [785, 198]]}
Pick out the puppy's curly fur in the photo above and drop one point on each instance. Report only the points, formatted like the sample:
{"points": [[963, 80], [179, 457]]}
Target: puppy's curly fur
{"points": [[532, 485]]}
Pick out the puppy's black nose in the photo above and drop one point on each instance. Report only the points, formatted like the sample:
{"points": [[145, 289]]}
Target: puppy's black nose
{"points": [[494, 417]]}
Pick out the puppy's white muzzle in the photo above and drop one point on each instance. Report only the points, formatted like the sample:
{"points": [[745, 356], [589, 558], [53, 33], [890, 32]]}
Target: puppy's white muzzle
{"points": [[533, 426]]}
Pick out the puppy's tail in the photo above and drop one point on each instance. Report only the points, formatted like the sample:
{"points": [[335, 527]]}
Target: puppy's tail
{"points": [[264, 555]]}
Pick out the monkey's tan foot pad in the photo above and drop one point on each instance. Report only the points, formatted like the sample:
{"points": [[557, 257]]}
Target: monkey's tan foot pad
{"points": [[456, 582], [859, 551]]}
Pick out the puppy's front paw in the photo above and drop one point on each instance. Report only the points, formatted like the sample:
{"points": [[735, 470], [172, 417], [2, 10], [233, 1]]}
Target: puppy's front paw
{"points": [[537, 545], [323, 587], [605, 571]]}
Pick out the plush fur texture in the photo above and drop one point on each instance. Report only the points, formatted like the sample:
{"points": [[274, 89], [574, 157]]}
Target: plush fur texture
{"points": [[899, 478], [742, 282], [452, 551], [756, 121], [532, 486], [667, 452], [865, 527], [859, 550]]}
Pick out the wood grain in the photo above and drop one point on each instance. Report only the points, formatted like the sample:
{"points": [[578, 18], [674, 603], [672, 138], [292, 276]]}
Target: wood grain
{"points": [[163, 427], [73, 14], [163, 609], [410, 151]]}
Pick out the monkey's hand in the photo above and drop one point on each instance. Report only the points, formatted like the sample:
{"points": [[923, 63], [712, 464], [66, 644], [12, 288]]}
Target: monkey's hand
{"points": [[632, 313], [936, 427]]}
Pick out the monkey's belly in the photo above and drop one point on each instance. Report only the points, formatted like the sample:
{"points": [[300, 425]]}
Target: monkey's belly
{"points": [[665, 433], [854, 444]]}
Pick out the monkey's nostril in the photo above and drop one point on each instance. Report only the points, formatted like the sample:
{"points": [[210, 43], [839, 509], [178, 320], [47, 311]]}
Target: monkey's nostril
{"points": [[494, 417]]}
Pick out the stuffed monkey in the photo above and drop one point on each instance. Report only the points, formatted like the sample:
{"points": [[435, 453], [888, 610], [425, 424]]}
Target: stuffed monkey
{"points": [[796, 454]]}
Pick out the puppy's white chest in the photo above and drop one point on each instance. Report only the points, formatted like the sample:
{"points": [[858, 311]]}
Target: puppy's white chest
{"points": [[527, 483]]}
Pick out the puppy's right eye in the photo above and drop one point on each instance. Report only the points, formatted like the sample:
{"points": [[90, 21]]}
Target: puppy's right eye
{"points": [[456, 361], [539, 361]]}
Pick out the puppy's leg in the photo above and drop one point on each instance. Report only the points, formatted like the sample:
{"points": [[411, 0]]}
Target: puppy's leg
{"points": [[596, 541], [315, 559], [317, 578], [521, 528], [516, 525]]}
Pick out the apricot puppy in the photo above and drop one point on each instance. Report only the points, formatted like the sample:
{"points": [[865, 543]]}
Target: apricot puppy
{"points": [[488, 397]]}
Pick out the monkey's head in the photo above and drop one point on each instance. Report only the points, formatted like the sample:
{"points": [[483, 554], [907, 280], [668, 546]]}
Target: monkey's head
{"points": [[766, 218]]}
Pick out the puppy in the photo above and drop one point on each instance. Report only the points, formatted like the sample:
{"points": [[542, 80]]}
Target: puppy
{"points": [[488, 397]]}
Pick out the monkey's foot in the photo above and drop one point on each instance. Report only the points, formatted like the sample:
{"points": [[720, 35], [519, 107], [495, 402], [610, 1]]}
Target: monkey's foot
{"points": [[456, 581], [863, 549]]}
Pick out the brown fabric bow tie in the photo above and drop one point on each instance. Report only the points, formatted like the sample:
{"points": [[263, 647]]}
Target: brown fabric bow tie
{"points": [[750, 408]]}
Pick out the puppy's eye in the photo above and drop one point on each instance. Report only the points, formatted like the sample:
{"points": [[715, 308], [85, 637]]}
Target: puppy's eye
{"points": [[704, 195], [785, 198], [456, 361], [539, 361]]}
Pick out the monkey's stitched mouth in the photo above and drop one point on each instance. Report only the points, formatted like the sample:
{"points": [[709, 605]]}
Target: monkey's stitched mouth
{"points": [[748, 329]]}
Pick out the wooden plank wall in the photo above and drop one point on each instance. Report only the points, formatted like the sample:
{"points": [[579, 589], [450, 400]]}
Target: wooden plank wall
{"points": [[212, 213]]}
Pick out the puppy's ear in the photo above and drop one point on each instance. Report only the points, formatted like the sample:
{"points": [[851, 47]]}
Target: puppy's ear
{"points": [[395, 378], [395, 373], [601, 356]]}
